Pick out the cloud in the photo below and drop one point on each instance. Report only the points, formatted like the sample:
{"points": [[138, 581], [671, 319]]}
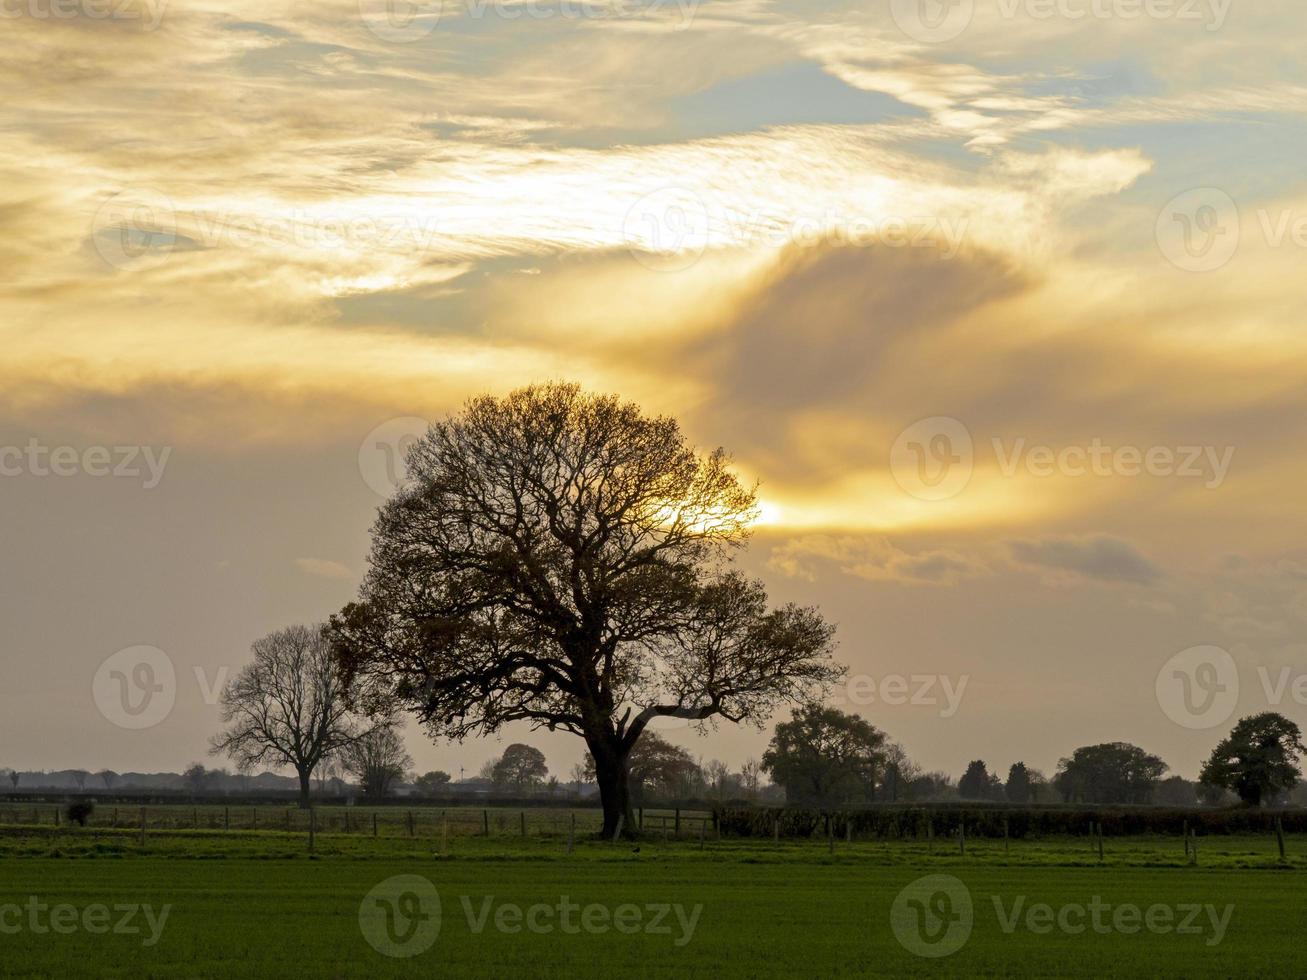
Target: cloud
{"points": [[872, 558], [1100, 558], [324, 568]]}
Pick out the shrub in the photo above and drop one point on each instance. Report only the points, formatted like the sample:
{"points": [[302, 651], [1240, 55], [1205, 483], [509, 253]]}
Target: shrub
{"points": [[80, 812]]}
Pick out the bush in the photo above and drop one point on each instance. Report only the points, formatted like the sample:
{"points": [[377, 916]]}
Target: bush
{"points": [[80, 812], [916, 821]]}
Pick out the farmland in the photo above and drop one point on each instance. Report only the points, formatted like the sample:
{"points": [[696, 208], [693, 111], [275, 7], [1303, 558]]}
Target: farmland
{"points": [[244, 902]]}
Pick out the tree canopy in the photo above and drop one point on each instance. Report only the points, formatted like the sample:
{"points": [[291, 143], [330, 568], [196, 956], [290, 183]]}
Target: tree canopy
{"points": [[1113, 772], [824, 756], [562, 559], [1258, 759]]}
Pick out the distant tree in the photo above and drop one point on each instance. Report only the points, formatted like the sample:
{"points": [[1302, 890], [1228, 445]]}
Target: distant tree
{"points": [[14, 776], [287, 707], [900, 771], [824, 756], [751, 778], [196, 778], [521, 768], [931, 787], [1176, 791], [657, 768], [580, 774], [1258, 760], [974, 784], [558, 558], [108, 777], [377, 759], [1019, 788], [80, 776], [552, 786], [431, 783], [1113, 772]]}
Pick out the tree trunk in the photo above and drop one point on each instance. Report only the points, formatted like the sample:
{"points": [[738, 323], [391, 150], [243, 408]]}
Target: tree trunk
{"points": [[614, 793], [305, 775]]}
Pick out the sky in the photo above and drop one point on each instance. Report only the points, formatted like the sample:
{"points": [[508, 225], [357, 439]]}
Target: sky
{"points": [[1000, 301]]}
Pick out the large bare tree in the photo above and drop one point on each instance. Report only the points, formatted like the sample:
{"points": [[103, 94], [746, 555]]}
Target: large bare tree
{"points": [[287, 707], [563, 559]]}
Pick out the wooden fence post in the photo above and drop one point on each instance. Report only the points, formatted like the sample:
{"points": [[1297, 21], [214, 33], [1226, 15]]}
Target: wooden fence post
{"points": [[678, 822], [226, 818], [444, 833], [776, 829], [313, 826], [411, 832], [962, 837], [1279, 835], [1186, 838], [522, 815], [142, 826], [374, 823], [1100, 840], [485, 822], [1005, 836]]}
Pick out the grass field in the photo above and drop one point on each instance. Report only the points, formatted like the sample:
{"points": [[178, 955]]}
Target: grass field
{"points": [[257, 904]]}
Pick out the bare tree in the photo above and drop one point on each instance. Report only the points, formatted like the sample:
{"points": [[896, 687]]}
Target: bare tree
{"points": [[287, 707], [80, 776], [560, 559], [14, 776], [377, 760], [108, 777]]}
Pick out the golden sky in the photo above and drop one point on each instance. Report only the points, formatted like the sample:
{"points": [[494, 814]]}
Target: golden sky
{"points": [[1066, 239]]}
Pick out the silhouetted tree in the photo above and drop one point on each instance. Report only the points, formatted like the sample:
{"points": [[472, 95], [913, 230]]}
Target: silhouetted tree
{"points": [[196, 778], [1113, 772], [974, 784], [108, 777], [1258, 759], [80, 776], [824, 756], [1176, 791], [14, 776], [521, 768], [287, 707], [1019, 788], [430, 783], [557, 558], [655, 767], [377, 759]]}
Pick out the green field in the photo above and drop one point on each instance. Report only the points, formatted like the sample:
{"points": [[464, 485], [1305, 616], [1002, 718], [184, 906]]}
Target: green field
{"points": [[257, 904]]}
